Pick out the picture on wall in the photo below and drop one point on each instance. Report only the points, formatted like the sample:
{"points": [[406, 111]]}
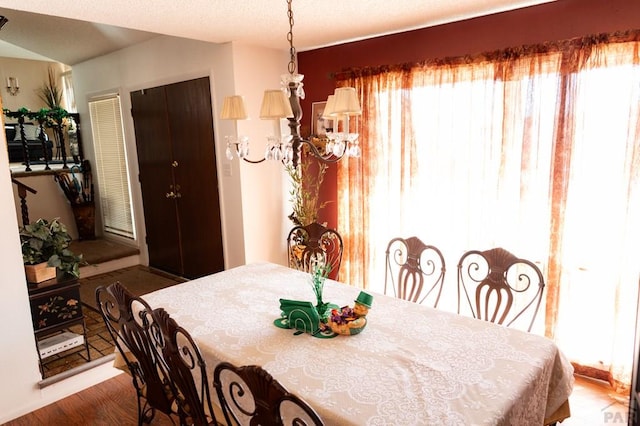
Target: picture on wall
{"points": [[320, 125]]}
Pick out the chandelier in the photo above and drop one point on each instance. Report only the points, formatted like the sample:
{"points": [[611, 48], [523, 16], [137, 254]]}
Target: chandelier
{"points": [[282, 103]]}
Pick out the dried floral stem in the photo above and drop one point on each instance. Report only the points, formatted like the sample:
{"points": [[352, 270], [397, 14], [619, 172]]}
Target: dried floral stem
{"points": [[50, 92], [305, 193]]}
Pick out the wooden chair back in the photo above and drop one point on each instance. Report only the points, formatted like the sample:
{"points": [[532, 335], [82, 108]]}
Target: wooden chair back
{"points": [[414, 271], [315, 244], [500, 287], [187, 371], [249, 395], [128, 319]]}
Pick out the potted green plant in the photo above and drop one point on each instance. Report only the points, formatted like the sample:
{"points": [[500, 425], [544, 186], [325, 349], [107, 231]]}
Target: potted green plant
{"points": [[46, 244]]}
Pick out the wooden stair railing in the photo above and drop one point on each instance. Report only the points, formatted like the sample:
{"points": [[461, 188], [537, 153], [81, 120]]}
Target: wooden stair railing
{"points": [[22, 193]]}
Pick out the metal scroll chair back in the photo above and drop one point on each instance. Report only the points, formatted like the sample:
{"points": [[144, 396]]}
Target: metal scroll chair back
{"points": [[499, 287], [414, 271], [249, 395], [129, 322], [315, 244], [187, 370]]}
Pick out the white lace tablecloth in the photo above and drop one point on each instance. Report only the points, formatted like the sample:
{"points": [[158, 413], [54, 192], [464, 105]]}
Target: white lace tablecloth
{"points": [[412, 365]]}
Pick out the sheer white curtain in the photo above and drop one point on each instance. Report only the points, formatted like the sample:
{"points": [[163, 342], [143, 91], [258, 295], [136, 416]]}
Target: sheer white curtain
{"points": [[446, 168], [601, 236], [535, 152]]}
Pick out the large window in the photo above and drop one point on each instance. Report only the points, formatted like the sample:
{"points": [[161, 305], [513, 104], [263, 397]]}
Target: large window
{"points": [[67, 91], [535, 150], [113, 180]]}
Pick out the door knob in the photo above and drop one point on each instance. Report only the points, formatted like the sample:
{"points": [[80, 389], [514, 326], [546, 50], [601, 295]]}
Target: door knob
{"points": [[174, 164]]}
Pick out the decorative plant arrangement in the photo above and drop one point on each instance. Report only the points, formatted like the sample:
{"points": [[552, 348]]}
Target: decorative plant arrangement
{"points": [[56, 118], [47, 243], [305, 192], [50, 93], [80, 194], [324, 319]]}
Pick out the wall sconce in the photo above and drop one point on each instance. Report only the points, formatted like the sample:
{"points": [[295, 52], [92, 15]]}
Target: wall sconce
{"points": [[13, 87]]}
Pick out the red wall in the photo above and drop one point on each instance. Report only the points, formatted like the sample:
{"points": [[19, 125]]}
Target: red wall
{"points": [[558, 20]]}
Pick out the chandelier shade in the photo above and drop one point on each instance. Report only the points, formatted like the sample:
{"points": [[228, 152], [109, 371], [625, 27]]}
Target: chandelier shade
{"points": [[233, 108], [345, 102], [330, 107], [275, 105]]}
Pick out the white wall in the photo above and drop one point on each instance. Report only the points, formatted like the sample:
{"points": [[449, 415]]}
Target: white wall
{"points": [[31, 75], [18, 359], [48, 203], [250, 233], [264, 195]]}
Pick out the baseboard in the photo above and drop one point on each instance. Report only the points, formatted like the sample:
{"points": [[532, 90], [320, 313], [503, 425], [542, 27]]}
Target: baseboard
{"points": [[112, 265], [77, 370]]}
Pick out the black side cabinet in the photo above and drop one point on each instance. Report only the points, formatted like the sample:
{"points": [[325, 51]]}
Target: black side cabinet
{"points": [[55, 306]]}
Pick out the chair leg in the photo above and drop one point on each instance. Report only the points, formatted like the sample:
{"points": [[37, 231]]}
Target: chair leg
{"points": [[140, 416], [145, 412]]}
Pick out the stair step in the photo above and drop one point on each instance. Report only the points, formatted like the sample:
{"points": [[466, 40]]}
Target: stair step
{"points": [[102, 250]]}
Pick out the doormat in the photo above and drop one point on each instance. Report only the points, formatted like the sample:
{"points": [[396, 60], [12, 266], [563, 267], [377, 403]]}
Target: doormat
{"points": [[138, 279]]}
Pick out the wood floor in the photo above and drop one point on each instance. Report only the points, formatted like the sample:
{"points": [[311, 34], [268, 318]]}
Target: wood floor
{"points": [[594, 403], [113, 402]]}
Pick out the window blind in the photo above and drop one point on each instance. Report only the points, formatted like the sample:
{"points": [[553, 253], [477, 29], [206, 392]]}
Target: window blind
{"points": [[111, 165]]}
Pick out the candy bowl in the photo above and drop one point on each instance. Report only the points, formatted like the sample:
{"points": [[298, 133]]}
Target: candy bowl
{"points": [[348, 321], [349, 327]]}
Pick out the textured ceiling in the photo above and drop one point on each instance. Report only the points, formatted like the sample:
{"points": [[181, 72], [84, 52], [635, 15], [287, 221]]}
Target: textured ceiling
{"points": [[84, 29]]}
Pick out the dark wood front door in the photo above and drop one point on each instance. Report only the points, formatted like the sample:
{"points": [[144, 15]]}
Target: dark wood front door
{"points": [[176, 158]]}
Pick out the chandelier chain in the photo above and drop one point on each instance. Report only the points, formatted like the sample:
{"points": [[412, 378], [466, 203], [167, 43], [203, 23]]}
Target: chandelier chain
{"points": [[292, 50]]}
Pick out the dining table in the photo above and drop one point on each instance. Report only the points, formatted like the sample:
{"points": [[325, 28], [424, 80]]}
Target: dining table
{"points": [[411, 365]]}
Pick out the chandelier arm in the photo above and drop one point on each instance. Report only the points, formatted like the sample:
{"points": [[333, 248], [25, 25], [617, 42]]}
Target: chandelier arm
{"points": [[254, 161], [330, 159], [237, 150]]}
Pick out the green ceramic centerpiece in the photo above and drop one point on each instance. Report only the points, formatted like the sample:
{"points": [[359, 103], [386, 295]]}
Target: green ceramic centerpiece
{"points": [[303, 316], [319, 274]]}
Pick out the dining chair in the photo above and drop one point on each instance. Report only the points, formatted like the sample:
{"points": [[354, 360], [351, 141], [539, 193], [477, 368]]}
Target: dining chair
{"points": [[314, 244], [414, 271], [128, 319], [187, 372], [500, 287], [250, 395]]}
